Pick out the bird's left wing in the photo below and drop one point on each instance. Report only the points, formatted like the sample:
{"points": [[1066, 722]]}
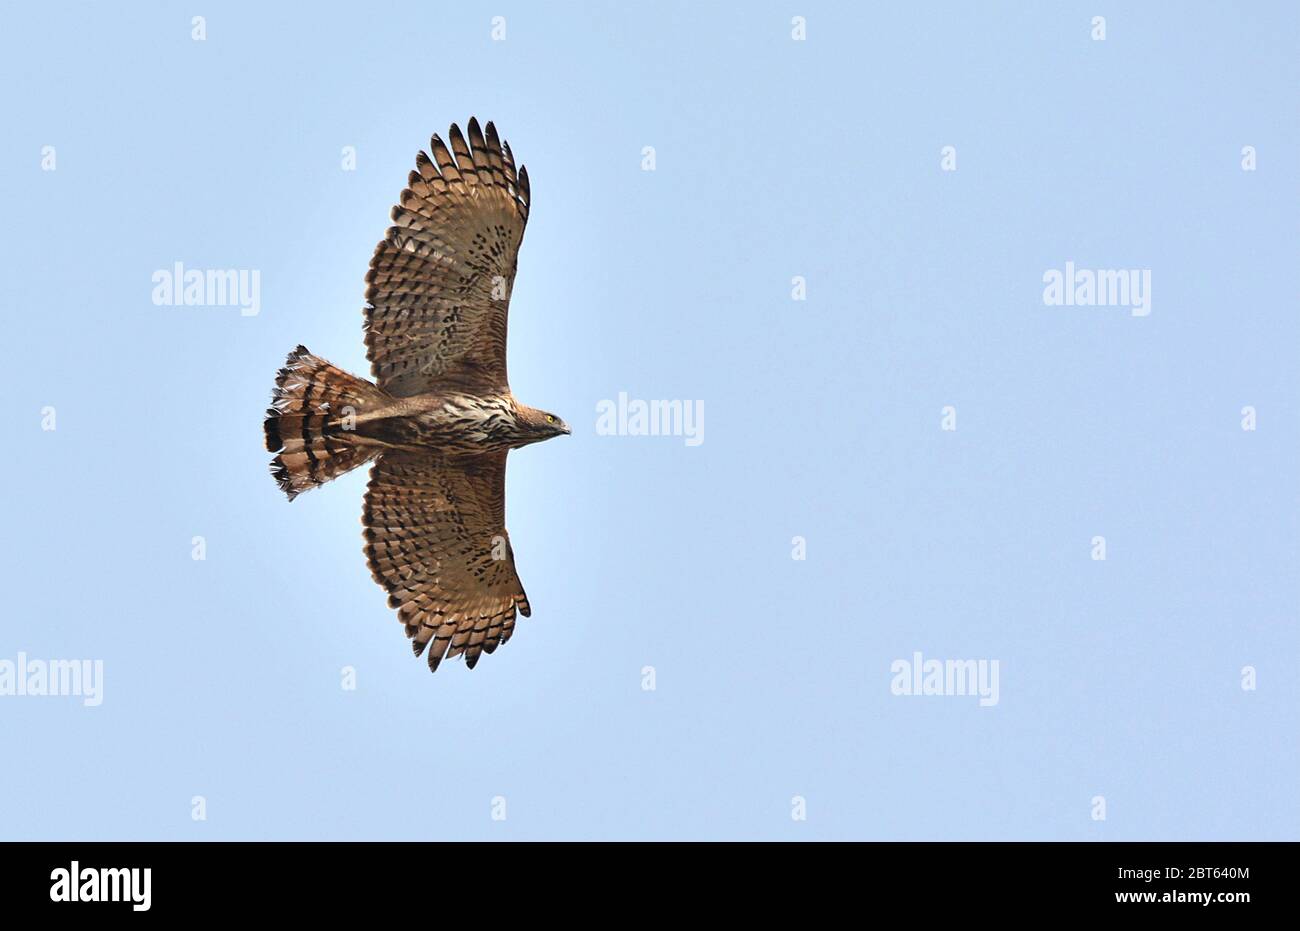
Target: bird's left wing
{"points": [[436, 541], [439, 284]]}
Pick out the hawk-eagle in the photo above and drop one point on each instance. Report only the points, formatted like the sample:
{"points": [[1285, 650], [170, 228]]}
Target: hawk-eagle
{"points": [[439, 419]]}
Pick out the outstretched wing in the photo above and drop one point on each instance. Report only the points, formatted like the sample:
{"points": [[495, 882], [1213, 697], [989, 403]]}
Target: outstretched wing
{"points": [[436, 541], [439, 283]]}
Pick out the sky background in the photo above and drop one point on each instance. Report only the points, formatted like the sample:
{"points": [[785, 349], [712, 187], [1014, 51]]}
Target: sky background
{"points": [[775, 158]]}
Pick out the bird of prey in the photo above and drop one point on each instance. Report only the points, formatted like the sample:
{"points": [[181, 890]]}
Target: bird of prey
{"points": [[439, 419]]}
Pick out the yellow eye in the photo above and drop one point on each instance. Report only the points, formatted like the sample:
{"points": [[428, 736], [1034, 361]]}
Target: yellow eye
{"points": [[550, 419]]}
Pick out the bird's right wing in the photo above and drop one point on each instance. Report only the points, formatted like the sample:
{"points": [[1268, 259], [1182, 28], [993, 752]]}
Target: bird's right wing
{"points": [[436, 541], [439, 283]]}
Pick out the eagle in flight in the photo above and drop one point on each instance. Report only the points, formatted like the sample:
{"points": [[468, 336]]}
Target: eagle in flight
{"points": [[439, 419]]}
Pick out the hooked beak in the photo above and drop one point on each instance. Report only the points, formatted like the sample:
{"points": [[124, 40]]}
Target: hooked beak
{"points": [[565, 430]]}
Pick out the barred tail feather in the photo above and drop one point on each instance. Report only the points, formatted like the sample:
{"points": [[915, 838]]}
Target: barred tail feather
{"points": [[307, 422]]}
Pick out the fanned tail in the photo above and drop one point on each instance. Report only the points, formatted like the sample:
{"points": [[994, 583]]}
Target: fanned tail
{"points": [[309, 422]]}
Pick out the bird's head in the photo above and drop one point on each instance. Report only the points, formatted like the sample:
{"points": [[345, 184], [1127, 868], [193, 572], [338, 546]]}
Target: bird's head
{"points": [[542, 425]]}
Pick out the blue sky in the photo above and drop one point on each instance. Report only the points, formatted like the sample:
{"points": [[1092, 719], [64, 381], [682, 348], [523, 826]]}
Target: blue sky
{"points": [[774, 159]]}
